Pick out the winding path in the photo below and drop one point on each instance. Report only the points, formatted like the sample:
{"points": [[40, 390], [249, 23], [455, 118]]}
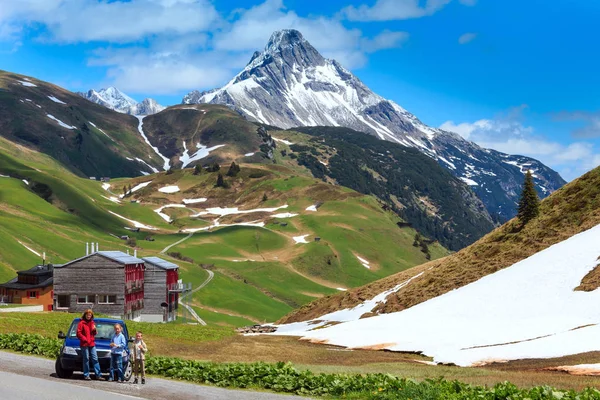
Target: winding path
{"points": [[163, 251], [210, 277]]}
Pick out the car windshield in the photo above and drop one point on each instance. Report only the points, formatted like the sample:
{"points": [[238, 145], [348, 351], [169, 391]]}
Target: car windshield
{"points": [[105, 330]]}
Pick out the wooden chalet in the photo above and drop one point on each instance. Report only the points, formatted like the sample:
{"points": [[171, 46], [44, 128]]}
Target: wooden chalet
{"points": [[31, 287], [161, 290], [109, 282]]}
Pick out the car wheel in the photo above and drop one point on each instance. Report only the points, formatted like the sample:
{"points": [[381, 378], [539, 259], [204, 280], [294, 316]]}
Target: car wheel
{"points": [[61, 372], [127, 370]]}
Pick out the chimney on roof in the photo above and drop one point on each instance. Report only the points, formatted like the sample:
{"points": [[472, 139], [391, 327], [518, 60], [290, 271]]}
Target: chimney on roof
{"points": [[44, 258], [87, 248], [135, 253], [97, 247], [127, 251]]}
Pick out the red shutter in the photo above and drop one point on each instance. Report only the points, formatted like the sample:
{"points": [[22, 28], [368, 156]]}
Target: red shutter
{"points": [[37, 295]]}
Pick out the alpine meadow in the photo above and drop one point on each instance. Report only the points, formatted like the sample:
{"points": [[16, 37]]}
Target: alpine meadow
{"points": [[237, 185]]}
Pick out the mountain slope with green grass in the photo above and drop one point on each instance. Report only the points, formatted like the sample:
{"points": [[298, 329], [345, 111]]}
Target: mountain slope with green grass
{"points": [[88, 139], [258, 235]]}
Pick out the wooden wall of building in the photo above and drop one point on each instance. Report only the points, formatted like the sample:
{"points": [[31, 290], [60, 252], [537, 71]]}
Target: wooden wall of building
{"points": [[155, 289], [95, 275]]}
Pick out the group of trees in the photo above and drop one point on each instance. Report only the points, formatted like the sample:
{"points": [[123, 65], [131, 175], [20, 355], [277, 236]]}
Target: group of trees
{"points": [[233, 171]]}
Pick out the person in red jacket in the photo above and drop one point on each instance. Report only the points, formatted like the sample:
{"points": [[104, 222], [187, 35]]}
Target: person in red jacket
{"points": [[86, 331]]}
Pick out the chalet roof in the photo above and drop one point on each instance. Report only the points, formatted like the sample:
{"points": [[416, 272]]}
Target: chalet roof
{"points": [[38, 270], [117, 256], [159, 262], [15, 285]]}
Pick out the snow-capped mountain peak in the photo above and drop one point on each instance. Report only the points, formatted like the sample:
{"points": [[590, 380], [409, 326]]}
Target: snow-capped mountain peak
{"points": [[290, 84], [114, 99]]}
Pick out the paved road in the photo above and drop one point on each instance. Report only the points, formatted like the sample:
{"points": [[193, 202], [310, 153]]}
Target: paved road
{"points": [[26, 377]]}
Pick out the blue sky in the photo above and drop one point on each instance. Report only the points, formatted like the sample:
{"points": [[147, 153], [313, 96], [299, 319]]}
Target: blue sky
{"points": [[518, 76]]}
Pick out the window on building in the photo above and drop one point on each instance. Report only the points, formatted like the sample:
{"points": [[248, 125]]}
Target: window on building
{"points": [[62, 301], [32, 294], [107, 299], [86, 299]]}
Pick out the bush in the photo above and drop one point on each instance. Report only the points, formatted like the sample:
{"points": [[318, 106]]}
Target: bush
{"points": [[30, 344]]}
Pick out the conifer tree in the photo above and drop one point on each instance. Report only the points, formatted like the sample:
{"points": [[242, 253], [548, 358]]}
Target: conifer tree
{"points": [[529, 204], [265, 197], [220, 181], [234, 169], [124, 190], [197, 169]]}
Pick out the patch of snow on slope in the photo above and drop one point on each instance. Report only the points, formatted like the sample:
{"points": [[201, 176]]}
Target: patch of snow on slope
{"points": [[147, 165], [194, 201], [52, 117], [106, 186], [231, 211], [140, 186], [134, 223], [167, 162], [345, 315], [169, 189], [284, 215], [28, 84], [54, 99], [202, 152], [106, 134], [113, 199], [528, 310], [248, 154], [165, 216], [218, 225], [301, 239], [282, 141], [311, 208], [468, 181], [4, 176], [341, 289], [26, 182], [364, 262], [29, 248]]}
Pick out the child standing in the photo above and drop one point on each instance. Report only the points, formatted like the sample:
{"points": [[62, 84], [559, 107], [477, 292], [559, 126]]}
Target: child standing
{"points": [[139, 356], [118, 344]]}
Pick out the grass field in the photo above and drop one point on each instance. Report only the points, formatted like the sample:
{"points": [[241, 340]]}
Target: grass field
{"points": [[57, 213]]}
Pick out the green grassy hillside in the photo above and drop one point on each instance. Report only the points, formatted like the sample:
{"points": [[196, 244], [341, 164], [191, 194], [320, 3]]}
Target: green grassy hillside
{"points": [[205, 124], [88, 139], [260, 272]]}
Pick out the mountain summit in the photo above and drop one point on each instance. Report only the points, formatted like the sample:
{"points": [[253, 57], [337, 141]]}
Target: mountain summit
{"points": [[291, 84], [114, 99]]}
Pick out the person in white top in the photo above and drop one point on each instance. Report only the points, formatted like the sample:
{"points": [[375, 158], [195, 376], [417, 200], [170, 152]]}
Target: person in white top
{"points": [[139, 356]]}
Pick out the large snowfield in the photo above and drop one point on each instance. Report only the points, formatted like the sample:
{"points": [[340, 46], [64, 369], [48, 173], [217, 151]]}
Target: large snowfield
{"points": [[528, 310]]}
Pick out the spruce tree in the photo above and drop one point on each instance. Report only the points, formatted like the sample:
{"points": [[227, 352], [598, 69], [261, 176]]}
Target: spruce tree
{"points": [[529, 204], [234, 169], [220, 181]]}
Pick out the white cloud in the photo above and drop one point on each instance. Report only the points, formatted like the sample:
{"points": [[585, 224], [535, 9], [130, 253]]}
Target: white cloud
{"points": [[385, 40], [170, 46], [253, 27], [467, 38], [508, 134], [74, 21], [591, 123], [389, 10]]}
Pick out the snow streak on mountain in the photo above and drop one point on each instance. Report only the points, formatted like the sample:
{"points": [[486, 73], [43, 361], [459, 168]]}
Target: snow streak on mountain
{"points": [[290, 84], [116, 100]]}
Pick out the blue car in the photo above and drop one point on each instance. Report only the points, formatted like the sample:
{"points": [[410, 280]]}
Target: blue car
{"points": [[70, 358]]}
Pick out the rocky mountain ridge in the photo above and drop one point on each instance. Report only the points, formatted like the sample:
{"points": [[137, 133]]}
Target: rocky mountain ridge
{"points": [[291, 84], [114, 99]]}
